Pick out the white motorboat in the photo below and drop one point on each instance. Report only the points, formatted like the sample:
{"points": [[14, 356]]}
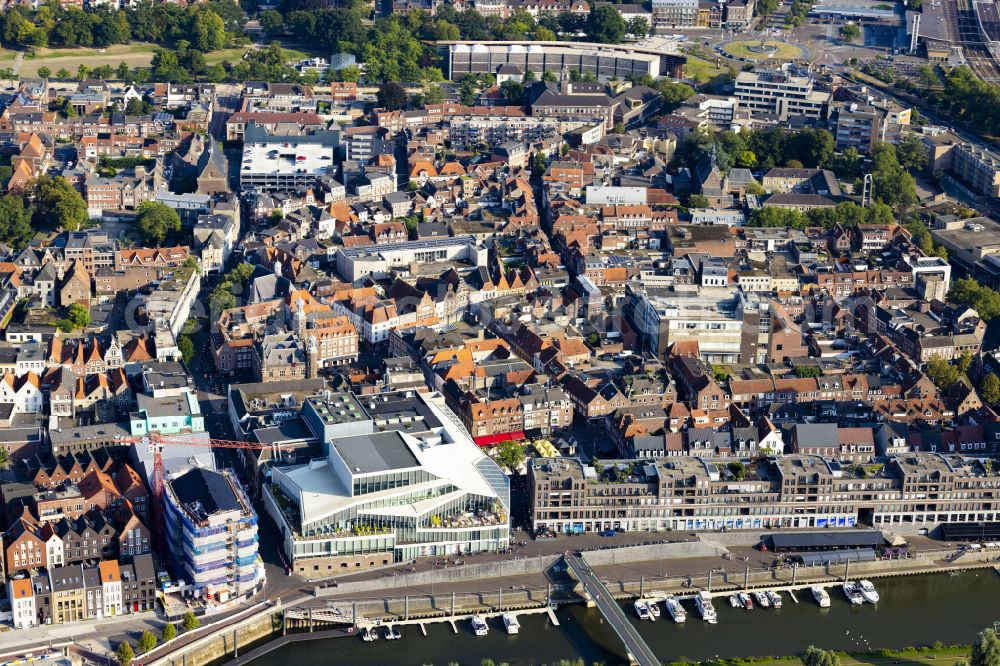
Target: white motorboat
{"points": [[369, 635], [642, 610], [774, 598], [734, 601], [675, 609], [703, 603], [479, 625], [389, 636], [821, 596], [510, 623], [762, 599], [654, 608], [868, 591], [746, 601], [853, 594]]}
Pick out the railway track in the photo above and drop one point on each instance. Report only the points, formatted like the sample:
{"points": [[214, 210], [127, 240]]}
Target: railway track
{"points": [[972, 42]]}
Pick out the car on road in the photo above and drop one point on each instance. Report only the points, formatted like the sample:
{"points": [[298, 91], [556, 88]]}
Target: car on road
{"points": [[609, 533]]}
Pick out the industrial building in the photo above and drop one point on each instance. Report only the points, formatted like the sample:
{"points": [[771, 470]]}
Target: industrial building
{"points": [[656, 57]]}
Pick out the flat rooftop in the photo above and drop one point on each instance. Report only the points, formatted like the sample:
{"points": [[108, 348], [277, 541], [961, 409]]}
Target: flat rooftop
{"points": [[290, 157], [334, 408], [427, 244], [968, 239], [378, 452]]}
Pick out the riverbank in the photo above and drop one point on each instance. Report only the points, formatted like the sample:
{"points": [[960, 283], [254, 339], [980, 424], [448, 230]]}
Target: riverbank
{"points": [[912, 610]]}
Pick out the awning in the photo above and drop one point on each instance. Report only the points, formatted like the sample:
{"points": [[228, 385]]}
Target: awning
{"points": [[490, 440]]}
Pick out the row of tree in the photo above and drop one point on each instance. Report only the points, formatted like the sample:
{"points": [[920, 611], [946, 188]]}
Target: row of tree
{"points": [[207, 26], [846, 214]]}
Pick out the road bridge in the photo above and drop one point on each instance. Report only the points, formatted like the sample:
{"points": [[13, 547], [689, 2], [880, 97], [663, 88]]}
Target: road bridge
{"points": [[638, 651]]}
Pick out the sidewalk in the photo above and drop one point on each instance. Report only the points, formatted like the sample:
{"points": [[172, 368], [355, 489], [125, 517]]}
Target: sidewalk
{"points": [[19, 639]]}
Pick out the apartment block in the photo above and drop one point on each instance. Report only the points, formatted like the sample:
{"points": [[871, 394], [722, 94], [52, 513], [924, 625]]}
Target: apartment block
{"points": [[798, 491], [978, 167], [781, 93]]}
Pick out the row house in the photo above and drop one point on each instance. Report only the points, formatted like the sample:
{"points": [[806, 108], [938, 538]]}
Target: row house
{"points": [[593, 402], [74, 593], [492, 421], [545, 409]]}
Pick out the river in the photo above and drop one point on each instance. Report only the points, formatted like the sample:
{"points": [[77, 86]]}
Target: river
{"points": [[914, 610]]}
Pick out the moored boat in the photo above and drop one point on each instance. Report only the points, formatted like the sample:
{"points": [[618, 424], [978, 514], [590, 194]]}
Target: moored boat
{"points": [[734, 601], [853, 594], [868, 591], [675, 609], [760, 596], [642, 610], [510, 623], [703, 603], [479, 625], [654, 608], [821, 596], [774, 598], [746, 601]]}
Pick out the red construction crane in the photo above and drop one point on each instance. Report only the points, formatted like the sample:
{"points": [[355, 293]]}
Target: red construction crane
{"points": [[155, 442]]}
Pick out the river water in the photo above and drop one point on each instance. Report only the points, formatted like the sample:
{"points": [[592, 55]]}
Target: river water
{"points": [[914, 610]]}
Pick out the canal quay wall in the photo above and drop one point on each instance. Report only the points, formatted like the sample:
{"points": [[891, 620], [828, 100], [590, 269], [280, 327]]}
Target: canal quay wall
{"points": [[457, 574], [221, 643]]}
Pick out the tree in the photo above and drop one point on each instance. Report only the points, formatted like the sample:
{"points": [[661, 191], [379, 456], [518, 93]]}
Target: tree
{"points": [[78, 315], [272, 22], [63, 73], [44, 72], [807, 371], [190, 622], [391, 96], [156, 220], [738, 470], [125, 653], [509, 454], [57, 204], [697, 201], [186, 347], [767, 7], [943, 374], [850, 32], [606, 25], [964, 362], [989, 388], [813, 656], [147, 641], [982, 299], [891, 184], [986, 649], [672, 93], [513, 91], [15, 221], [638, 26], [910, 152], [169, 631]]}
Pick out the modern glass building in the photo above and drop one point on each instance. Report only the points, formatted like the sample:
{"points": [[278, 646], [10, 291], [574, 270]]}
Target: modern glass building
{"points": [[416, 487]]}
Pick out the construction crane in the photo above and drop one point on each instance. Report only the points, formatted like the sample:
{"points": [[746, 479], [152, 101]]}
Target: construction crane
{"points": [[155, 443]]}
